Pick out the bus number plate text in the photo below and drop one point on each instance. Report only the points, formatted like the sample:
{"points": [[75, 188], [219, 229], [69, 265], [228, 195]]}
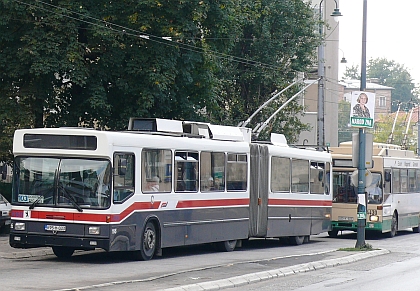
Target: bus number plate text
{"points": [[49, 227]]}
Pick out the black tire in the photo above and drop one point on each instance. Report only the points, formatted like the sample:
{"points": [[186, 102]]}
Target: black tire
{"points": [[148, 242], [416, 229], [394, 226], [296, 240], [63, 252], [333, 233], [226, 246]]}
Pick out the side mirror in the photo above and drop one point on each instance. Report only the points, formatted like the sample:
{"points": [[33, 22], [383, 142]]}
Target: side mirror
{"points": [[122, 166], [387, 176], [320, 175]]}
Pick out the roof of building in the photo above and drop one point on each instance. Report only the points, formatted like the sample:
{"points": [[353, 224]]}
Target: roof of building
{"points": [[406, 115], [355, 84]]}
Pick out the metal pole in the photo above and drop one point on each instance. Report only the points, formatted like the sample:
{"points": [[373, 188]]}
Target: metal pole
{"points": [[321, 83], [362, 201], [418, 129]]}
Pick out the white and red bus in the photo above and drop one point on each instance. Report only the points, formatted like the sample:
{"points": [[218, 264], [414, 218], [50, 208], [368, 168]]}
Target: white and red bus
{"points": [[163, 183]]}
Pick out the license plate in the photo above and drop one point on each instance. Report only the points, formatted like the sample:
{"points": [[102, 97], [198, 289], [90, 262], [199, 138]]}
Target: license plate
{"points": [[49, 227], [345, 218]]}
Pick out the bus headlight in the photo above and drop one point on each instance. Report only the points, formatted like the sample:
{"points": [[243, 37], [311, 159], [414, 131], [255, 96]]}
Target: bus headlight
{"points": [[94, 230], [20, 226], [374, 218]]}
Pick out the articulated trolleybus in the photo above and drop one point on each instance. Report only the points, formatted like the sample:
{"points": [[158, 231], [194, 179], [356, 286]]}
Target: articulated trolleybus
{"points": [[163, 183], [392, 188]]}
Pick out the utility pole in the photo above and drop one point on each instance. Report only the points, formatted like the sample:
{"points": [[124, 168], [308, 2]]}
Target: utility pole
{"points": [[361, 204]]}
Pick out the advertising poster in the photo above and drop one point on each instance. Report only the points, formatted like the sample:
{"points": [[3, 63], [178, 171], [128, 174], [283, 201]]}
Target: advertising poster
{"points": [[362, 111]]}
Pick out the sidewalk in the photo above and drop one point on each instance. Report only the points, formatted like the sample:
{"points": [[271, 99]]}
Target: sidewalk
{"points": [[341, 258], [7, 252]]}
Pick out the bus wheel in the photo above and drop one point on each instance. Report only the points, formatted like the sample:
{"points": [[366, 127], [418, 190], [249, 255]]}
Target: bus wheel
{"points": [[226, 246], [296, 240], [148, 242], [416, 229], [394, 226], [63, 252], [333, 233]]}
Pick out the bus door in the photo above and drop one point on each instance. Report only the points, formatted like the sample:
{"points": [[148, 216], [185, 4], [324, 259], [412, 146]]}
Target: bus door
{"points": [[258, 200]]}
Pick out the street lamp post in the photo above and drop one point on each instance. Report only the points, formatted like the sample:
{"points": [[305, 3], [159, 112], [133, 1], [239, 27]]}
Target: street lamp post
{"points": [[321, 76], [343, 59]]}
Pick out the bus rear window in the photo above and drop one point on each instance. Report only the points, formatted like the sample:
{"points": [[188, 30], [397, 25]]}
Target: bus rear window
{"points": [[51, 141]]}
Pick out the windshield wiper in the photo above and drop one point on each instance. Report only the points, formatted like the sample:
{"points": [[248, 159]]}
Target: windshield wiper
{"points": [[71, 198], [36, 202]]}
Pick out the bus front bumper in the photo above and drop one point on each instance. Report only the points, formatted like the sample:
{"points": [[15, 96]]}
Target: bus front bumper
{"points": [[352, 226], [25, 240]]}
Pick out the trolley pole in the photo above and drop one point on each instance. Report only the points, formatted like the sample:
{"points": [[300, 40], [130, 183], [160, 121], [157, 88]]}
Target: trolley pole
{"points": [[361, 204]]}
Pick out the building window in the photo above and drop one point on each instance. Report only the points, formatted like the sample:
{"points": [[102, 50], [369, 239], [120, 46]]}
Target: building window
{"points": [[382, 101]]}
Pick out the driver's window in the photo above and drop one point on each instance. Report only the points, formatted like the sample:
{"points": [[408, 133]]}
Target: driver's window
{"points": [[123, 176]]}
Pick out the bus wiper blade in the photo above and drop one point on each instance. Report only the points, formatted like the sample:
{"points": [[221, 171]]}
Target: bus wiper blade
{"points": [[36, 202], [72, 200]]}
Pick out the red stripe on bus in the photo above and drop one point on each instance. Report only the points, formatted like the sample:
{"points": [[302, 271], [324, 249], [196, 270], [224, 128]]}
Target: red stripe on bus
{"points": [[289, 202], [87, 217], [212, 203]]}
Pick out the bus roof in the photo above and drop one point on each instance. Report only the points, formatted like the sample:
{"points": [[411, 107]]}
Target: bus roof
{"points": [[379, 149]]}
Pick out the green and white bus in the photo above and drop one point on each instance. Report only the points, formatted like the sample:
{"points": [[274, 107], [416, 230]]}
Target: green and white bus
{"points": [[393, 190]]}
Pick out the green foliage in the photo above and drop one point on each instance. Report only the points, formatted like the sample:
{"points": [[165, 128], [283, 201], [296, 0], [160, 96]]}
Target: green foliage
{"points": [[345, 131], [352, 73], [363, 248], [383, 130], [391, 74], [277, 40], [97, 63]]}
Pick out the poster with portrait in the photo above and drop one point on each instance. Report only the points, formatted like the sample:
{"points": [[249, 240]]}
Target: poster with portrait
{"points": [[362, 111]]}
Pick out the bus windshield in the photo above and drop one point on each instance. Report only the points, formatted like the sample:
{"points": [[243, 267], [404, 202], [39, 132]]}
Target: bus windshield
{"points": [[345, 192], [47, 181]]}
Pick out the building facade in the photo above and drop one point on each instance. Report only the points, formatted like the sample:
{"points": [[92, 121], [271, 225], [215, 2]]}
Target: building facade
{"points": [[331, 85]]}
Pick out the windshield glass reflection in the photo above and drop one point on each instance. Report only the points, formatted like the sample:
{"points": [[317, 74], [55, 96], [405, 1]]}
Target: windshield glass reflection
{"points": [[62, 182]]}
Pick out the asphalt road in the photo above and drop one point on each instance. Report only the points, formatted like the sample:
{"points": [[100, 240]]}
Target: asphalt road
{"points": [[188, 268]]}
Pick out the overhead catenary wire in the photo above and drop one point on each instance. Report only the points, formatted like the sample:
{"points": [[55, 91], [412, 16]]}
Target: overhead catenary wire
{"points": [[261, 126]]}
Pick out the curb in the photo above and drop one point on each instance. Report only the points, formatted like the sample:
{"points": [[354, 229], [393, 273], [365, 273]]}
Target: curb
{"points": [[26, 253], [277, 273]]}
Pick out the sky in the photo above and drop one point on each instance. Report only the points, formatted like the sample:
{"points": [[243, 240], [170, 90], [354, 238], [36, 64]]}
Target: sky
{"points": [[392, 33]]}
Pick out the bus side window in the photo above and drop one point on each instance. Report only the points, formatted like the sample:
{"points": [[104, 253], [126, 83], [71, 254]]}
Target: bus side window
{"points": [[300, 176], [280, 174], [123, 176], [317, 185], [186, 175], [237, 172], [212, 171], [156, 170]]}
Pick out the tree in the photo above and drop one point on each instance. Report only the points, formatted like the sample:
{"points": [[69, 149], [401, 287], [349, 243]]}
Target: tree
{"points": [[383, 130], [352, 73], [391, 74], [277, 40], [97, 63]]}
